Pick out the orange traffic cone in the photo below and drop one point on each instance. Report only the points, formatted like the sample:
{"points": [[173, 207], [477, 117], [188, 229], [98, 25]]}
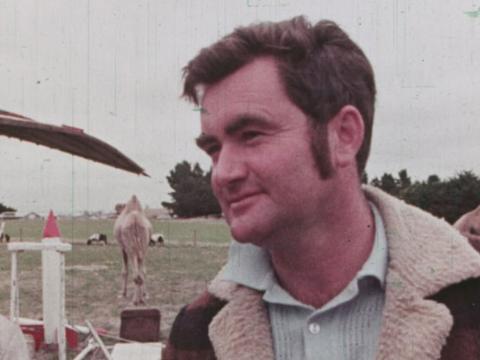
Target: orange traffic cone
{"points": [[51, 228]]}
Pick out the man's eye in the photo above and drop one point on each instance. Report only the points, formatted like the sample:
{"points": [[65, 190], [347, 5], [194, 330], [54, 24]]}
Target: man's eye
{"points": [[211, 150], [250, 135]]}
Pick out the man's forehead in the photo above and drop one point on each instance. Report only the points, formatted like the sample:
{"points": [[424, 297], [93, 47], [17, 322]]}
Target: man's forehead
{"points": [[259, 78]]}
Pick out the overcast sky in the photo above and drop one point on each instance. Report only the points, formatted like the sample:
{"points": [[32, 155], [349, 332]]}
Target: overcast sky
{"points": [[113, 68]]}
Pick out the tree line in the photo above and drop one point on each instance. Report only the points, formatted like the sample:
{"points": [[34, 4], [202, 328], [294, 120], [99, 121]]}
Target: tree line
{"points": [[448, 198], [192, 195], [4, 208]]}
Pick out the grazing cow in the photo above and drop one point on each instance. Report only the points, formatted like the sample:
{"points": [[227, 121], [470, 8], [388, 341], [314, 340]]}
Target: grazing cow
{"points": [[3, 235], [97, 237], [157, 238], [133, 231], [469, 226]]}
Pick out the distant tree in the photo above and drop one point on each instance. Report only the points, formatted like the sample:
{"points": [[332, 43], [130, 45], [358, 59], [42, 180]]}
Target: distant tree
{"points": [[404, 180], [118, 208], [403, 183], [4, 208], [192, 194], [387, 183], [364, 178], [432, 179], [462, 194], [448, 199], [426, 196]]}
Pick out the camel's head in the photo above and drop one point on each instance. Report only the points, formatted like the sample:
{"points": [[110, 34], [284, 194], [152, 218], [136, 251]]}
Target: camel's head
{"points": [[133, 204]]}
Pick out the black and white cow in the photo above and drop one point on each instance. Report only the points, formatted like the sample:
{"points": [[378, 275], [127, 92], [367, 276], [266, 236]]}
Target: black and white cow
{"points": [[97, 237], [156, 238], [4, 237]]}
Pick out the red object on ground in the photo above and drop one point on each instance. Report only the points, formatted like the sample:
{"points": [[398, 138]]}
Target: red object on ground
{"points": [[51, 228], [37, 331], [72, 337]]}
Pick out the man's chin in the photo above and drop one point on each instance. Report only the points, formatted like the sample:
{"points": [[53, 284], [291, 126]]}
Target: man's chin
{"points": [[239, 234], [246, 234]]}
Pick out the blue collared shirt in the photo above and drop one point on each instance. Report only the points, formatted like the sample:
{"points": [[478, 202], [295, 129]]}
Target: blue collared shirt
{"points": [[346, 327]]}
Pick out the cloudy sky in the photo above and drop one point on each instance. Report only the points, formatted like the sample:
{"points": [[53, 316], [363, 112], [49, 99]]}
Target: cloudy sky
{"points": [[113, 68]]}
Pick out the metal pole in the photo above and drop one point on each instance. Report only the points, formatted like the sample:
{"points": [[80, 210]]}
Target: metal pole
{"points": [[98, 340], [91, 346]]}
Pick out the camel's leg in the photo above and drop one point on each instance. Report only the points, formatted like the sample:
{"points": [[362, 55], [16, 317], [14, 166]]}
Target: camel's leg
{"points": [[139, 281], [142, 273], [124, 273]]}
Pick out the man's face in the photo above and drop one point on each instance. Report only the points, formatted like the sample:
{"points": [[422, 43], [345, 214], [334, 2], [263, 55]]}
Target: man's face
{"points": [[264, 174]]}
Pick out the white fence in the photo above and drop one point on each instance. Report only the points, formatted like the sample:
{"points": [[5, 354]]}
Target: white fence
{"points": [[53, 288]]}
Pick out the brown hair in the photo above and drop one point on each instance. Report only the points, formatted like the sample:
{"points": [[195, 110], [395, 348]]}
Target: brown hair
{"points": [[321, 68]]}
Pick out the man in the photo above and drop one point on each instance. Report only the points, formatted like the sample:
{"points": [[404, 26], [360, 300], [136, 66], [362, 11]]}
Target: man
{"points": [[320, 267]]}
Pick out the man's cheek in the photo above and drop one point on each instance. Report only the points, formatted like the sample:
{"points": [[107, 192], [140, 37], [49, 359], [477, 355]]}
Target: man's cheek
{"points": [[218, 195]]}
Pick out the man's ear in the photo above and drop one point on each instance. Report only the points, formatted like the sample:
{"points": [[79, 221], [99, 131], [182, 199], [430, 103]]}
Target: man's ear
{"points": [[346, 131]]}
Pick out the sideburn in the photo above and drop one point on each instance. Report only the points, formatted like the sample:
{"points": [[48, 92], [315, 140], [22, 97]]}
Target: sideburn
{"points": [[321, 150]]}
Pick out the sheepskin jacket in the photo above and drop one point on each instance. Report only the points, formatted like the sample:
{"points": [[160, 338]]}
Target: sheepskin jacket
{"points": [[12, 342], [432, 299]]}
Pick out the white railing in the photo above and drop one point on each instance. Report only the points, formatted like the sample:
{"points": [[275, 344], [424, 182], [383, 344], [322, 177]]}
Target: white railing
{"points": [[53, 288]]}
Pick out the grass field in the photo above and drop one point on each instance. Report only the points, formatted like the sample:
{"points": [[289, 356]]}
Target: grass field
{"points": [[78, 230], [194, 251]]}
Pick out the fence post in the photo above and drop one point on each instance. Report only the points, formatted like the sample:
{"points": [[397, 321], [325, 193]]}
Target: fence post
{"points": [[51, 290], [14, 301]]}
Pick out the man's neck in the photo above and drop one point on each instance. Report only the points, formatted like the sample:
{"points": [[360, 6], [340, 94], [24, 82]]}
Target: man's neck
{"points": [[316, 265]]}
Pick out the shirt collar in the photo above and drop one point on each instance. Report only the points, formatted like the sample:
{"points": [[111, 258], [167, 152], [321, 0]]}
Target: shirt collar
{"points": [[377, 262], [250, 266]]}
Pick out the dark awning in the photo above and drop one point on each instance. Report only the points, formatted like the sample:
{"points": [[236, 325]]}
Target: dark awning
{"points": [[65, 138]]}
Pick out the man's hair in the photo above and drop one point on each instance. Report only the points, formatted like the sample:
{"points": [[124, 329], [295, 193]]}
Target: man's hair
{"points": [[321, 69]]}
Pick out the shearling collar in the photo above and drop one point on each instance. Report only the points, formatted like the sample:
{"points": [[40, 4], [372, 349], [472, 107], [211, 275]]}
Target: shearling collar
{"points": [[425, 255]]}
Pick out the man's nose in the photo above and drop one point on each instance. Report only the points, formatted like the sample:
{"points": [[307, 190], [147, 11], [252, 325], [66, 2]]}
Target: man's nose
{"points": [[229, 169]]}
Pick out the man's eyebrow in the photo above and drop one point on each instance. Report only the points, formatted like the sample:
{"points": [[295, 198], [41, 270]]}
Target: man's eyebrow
{"points": [[244, 120], [239, 123], [203, 140]]}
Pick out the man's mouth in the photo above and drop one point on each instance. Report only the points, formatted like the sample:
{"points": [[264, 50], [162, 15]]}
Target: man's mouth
{"points": [[237, 201]]}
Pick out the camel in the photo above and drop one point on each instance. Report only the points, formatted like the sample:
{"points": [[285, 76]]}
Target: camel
{"points": [[469, 226], [133, 231]]}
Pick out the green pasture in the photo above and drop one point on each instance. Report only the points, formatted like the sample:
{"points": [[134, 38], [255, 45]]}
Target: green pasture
{"points": [[78, 230]]}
